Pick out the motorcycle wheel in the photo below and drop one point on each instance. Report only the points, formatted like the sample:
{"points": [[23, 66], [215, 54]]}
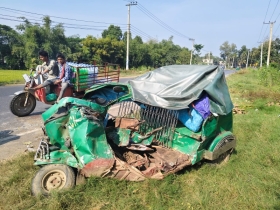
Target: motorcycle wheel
{"points": [[17, 105], [52, 177]]}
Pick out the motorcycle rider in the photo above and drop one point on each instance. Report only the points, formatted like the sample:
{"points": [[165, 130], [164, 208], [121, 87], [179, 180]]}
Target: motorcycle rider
{"points": [[49, 68], [65, 74]]}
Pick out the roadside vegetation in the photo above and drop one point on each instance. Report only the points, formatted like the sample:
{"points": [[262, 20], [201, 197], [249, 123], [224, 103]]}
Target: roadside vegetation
{"points": [[250, 180], [12, 76]]}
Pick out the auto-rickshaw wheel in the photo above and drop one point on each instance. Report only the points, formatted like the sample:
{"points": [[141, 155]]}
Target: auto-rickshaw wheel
{"points": [[17, 105], [223, 158], [52, 177]]}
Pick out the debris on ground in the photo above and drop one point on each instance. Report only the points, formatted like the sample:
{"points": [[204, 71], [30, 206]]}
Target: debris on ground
{"points": [[30, 147], [273, 104], [237, 110]]}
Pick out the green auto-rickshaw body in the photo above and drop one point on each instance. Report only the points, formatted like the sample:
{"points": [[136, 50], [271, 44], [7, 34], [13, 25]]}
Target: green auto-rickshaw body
{"points": [[131, 131]]}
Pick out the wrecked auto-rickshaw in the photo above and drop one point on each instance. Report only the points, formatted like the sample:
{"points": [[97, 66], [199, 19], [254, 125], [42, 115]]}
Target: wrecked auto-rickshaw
{"points": [[157, 124]]}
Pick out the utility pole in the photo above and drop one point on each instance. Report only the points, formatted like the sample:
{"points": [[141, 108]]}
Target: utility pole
{"points": [[208, 57], [128, 32], [261, 53], [192, 49], [247, 58], [270, 38]]}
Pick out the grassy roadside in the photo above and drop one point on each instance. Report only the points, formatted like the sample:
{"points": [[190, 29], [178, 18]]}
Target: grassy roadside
{"points": [[12, 76], [250, 180]]}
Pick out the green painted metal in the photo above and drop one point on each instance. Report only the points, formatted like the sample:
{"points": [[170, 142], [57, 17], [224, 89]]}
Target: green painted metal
{"points": [[60, 157], [69, 126], [139, 139], [69, 101], [76, 127], [119, 136], [88, 137], [217, 139]]}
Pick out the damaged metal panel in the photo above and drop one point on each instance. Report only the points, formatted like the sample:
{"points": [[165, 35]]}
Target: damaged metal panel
{"points": [[88, 136]]}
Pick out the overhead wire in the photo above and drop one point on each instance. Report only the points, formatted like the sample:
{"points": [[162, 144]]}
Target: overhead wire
{"points": [[89, 21], [145, 34], [264, 20], [270, 19], [80, 26], [158, 21], [95, 29], [54, 21]]}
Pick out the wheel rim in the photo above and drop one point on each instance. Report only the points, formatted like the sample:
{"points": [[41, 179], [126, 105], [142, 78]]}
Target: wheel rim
{"points": [[55, 179], [19, 104]]}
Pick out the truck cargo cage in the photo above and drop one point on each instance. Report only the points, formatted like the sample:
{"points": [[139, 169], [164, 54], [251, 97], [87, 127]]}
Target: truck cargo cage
{"points": [[151, 120], [85, 77]]}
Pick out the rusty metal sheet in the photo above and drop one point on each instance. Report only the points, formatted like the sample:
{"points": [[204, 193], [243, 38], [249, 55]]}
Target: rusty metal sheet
{"points": [[98, 167], [127, 123]]}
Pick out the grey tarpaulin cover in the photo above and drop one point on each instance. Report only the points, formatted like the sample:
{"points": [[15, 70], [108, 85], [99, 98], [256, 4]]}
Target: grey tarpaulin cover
{"points": [[177, 86]]}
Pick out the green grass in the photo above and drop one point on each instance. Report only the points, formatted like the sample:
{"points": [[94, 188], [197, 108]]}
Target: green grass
{"points": [[12, 76], [250, 180]]}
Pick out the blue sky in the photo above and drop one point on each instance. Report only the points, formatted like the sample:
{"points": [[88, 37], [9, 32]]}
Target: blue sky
{"points": [[210, 23]]}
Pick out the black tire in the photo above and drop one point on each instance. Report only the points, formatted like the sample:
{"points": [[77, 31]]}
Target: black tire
{"points": [[17, 105], [52, 177], [223, 158]]}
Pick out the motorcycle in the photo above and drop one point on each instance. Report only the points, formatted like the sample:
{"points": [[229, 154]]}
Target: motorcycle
{"points": [[24, 101]]}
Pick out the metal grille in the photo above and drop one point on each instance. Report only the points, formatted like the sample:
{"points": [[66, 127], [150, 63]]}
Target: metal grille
{"points": [[43, 151], [159, 121]]}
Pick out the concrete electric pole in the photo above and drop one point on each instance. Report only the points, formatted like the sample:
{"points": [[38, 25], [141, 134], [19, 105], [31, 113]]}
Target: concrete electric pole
{"points": [[247, 58], [128, 33], [261, 54], [191, 50], [208, 57], [270, 38]]}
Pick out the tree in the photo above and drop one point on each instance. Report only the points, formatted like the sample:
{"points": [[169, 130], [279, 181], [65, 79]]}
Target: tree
{"points": [[196, 52], [225, 49], [228, 52], [75, 45], [8, 38], [184, 56], [34, 37], [103, 49], [114, 32]]}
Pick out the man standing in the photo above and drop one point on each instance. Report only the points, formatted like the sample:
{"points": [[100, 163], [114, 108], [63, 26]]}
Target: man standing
{"points": [[64, 74]]}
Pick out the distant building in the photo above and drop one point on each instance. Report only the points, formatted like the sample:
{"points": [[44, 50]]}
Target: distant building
{"points": [[210, 61]]}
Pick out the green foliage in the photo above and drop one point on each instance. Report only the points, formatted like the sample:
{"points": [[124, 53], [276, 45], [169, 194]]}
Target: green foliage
{"points": [[269, 76], [19, 48], [113, 32]]}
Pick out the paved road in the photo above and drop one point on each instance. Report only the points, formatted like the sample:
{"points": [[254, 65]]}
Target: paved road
{"points": [[18, 133]]}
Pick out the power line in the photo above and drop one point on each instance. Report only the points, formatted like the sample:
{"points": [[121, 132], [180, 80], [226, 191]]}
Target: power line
{"points": [[264, 19], [271, 17], [54, 21], [95, 29], [135, 30], [274, 10], [58, 17], [157, 20], [145, 34]]}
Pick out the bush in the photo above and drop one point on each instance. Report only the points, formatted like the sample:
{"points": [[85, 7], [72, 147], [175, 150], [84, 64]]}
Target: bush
{"points": [[269, 76]]}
